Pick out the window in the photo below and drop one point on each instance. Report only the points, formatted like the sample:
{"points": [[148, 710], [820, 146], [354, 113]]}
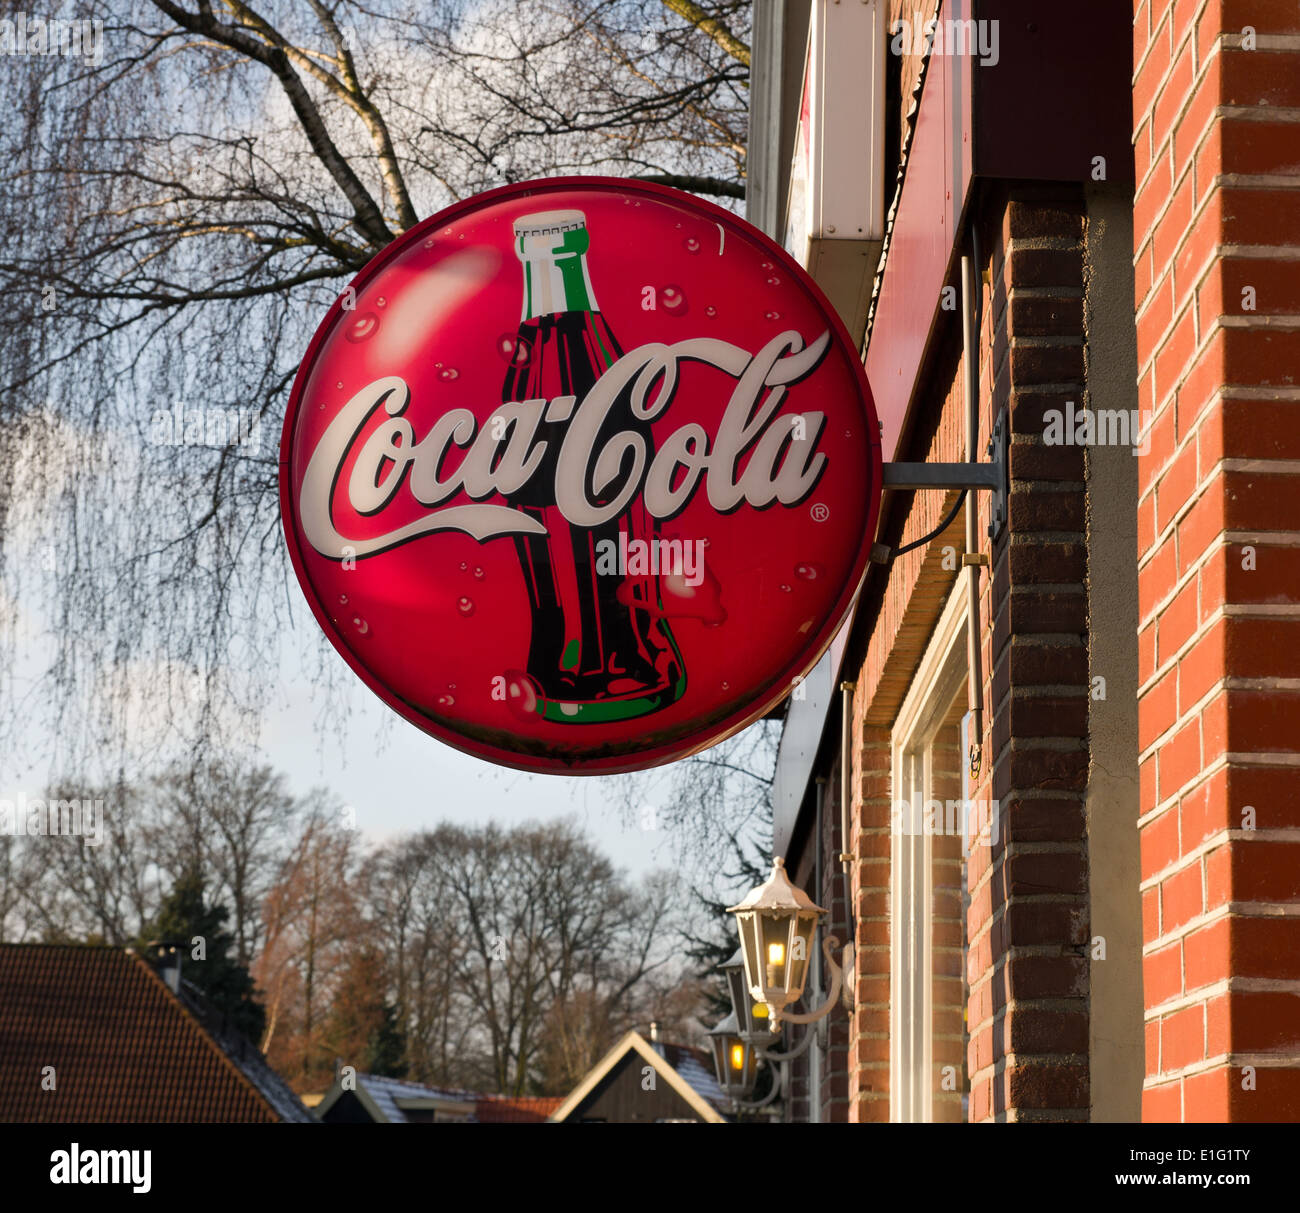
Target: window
{"points": [[928, 843]]}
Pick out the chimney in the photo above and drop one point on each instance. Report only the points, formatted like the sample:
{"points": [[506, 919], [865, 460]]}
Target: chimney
{"points": [[167, 960], [655, 1043]]}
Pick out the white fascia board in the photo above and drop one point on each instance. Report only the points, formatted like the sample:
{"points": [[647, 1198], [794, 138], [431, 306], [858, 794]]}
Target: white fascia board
{"points": [[836, 213]]}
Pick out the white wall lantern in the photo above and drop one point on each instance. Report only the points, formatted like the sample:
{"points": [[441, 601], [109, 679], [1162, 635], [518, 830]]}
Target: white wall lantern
{"points": [[776, 923], [734, 1060], [754, 1019]]}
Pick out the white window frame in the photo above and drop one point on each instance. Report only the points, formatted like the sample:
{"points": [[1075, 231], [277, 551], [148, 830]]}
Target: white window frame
{"points": [[940, 675]]}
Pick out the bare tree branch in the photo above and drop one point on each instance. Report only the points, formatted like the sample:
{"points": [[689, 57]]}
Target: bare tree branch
{"points": [[712, 26], [696, 185]]}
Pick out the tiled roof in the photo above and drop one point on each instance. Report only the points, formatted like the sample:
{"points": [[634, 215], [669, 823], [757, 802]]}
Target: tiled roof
{"points": [[122, 1046], [515, 1109]]}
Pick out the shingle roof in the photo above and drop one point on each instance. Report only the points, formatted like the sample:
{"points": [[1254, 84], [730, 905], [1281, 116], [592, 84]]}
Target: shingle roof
{"points": [[696, 1067], [392, 1098], [387, 1091], [122, 1046]]}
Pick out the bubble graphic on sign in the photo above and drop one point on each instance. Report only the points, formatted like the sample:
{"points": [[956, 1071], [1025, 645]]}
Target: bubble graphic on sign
{"points": [[362, 327], [673, 299]]}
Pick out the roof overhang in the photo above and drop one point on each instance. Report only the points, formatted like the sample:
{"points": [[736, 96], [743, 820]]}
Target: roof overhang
{"points": [[336, 1092]]}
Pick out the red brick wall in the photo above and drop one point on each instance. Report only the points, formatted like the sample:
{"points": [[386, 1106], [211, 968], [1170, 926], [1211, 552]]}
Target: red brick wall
{"points": [[1217, 210], [1027, 927], [868, 1044]]}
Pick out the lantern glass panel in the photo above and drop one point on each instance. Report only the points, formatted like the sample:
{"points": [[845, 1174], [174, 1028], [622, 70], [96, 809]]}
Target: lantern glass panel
{"points": [[735, 1064], [778, 956], [746, 1072], [741, 1002], [801, 944], [719, 1044], [751, 944]]}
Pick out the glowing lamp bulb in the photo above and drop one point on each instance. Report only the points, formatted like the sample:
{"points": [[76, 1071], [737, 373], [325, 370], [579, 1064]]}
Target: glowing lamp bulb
{"points": [[776, 953], [737, 1057]]}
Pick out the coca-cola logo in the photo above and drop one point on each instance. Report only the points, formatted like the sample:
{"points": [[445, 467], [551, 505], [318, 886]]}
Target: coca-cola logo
{"points": [[580, 475]]}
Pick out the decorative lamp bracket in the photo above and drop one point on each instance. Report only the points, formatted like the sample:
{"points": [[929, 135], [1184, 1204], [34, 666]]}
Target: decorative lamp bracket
{"points": [[838, 988]]}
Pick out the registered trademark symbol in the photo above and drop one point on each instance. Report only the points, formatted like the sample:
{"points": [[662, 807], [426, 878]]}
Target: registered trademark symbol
{"points": [[820, 512]]}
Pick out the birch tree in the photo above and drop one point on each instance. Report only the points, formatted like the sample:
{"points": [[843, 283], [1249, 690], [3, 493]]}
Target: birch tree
{"points": [[177, 213]]}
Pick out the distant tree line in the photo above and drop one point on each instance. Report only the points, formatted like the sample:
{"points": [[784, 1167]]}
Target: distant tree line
{"points": [[501, 960]]}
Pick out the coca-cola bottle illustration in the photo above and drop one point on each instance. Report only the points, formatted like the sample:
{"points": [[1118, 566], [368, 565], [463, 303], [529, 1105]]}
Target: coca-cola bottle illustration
{"points": [[600, 649]]}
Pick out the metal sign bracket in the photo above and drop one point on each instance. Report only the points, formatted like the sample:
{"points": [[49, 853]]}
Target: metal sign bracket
{"points": [[993, 476]]}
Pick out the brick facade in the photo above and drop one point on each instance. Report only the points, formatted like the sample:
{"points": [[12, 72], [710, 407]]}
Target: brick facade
{"points": [[1026, 930], [1140, 629], [1216, 96]]}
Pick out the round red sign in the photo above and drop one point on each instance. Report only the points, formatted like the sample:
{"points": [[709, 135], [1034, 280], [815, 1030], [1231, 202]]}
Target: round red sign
{"points": [[580, 475]]}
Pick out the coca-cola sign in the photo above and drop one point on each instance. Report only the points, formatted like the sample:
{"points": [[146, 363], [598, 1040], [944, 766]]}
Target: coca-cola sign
{"points": [[580, 475]]}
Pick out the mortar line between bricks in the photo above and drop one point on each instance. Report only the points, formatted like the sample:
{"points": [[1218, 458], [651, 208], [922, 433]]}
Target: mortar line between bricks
{"points": [[1240, 909], [1027, 539], [1230, 1061], [1040, 342], [1199, 74], [1024, 588], [1052, 690], [1229, 682], [1051, 1060], [1055, 244], [1267, 322], [1218, 114], [1055, 745], [1227, 610], [1260, 761], [1196, 712], [1218, 183], [1033, 1116], [1170, 528], [1218, 255], [1044, 292], [1146, 54], [1056, 387]]}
